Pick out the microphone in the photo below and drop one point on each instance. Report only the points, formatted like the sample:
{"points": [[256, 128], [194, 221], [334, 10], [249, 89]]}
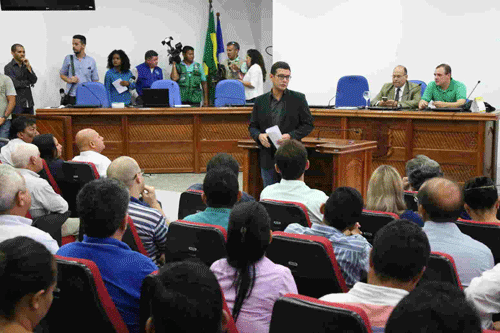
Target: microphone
{"points": [[61, 92], [478, 82]]}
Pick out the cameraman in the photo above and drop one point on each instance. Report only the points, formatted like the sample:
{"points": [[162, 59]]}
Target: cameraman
{"points": [[189, 75]]}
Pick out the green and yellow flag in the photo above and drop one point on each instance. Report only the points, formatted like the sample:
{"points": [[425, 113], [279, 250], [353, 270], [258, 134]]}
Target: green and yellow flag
{"points": [[210, 62]]}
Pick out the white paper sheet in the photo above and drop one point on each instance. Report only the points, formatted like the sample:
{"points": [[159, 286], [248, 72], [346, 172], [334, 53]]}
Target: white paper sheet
{"points": [[121, 89], [274, 134]]}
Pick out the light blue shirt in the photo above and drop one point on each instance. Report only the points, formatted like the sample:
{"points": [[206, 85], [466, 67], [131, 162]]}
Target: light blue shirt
{"points": [[217, 216], [85, 70], [471, 257], [111, 76]]}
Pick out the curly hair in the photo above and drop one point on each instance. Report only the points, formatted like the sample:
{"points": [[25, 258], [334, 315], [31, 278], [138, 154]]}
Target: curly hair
{"points": [[125, 66]]}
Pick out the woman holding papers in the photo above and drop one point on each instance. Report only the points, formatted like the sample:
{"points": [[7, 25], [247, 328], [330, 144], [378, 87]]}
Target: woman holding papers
{"points": [[119, 79], [256, 75]]}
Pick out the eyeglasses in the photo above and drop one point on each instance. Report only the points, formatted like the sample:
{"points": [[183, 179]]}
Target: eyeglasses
{"points": [[284, 77]]}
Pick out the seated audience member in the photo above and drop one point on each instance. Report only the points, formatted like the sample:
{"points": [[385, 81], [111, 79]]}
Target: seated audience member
{"points": [[340, 225], [434, 307], [385, 194], [228, 161], [481, 199], [15, 201], [484, 293], [28, 273], [220, 194], [186, 298], [91, 144], [255, 77], [420, 168], [147, 72], [26, 159], [102, 206], [119, 69], [440, 202], [22, 130], [148, 216], [399, 93], [291, 163], [444, 91], [50, 150], [250, 281], [397, 262]]}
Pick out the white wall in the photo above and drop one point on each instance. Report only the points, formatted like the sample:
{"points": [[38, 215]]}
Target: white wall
{"points": [[325, 40], [140, 26]]}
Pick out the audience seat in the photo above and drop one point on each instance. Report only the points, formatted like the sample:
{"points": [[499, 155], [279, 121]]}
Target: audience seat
{"points": [[487, 233], [82, 303], [195, 240], [441, 267], [311, 260], [45, 174], [283, 213], [174, 92], [297, 313], [423, 86], [76, 175], [411, 200], [372, 221], [190, 202], [92, 93], [229, 92], [350, 91], [51, 224]]}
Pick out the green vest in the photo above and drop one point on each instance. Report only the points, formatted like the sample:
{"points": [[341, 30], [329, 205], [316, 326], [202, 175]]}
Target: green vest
{"points": [[189, 83]]}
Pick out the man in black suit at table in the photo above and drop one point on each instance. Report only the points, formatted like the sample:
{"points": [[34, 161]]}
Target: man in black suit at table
{"points": [[286, 108]]}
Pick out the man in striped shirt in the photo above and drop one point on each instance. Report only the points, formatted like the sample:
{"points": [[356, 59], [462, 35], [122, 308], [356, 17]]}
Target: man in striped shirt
{"points": [[341, 213], [147, 215]]}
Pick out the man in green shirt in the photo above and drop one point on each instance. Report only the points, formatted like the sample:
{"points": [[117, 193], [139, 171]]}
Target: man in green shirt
{"points": [[444, 91]]}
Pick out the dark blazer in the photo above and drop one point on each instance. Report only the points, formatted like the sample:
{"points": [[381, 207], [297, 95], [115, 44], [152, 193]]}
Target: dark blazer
{"points": [[296, 121]]}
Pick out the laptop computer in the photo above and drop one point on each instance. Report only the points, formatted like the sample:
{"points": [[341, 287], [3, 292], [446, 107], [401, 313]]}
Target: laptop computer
{"points": [[155, 98]]}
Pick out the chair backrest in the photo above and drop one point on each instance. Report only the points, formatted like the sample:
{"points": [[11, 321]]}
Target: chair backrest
{"points": [[311, 260], [190, 203], [47, 175], [76, 175], [372, 221], [441, 267], [298, 313], [423, 86], [283, 213], [411, 200], [82, 303], [174, 93], [487, 233], [229, 92], [186, 239], [92, 93], [51, 224], [132, 239], [350, 91]]}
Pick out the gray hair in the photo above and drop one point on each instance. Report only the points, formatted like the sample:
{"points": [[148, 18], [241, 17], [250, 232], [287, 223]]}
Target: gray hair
{"points": [[11, 182], [420, 161], [124, 169], [22, 154]]}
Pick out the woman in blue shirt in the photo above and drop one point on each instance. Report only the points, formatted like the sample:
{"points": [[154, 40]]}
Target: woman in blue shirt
{"points": [[119, 69]]}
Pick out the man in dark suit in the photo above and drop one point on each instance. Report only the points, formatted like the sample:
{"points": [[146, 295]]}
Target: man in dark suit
{"points": [[286, 108]]}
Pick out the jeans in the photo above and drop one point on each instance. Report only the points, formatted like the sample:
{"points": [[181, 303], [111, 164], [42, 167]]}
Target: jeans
{"points": [[4, 129], [269, 176]]}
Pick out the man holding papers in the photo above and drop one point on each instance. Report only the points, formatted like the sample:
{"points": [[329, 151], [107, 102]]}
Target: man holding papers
{"points": [[286, 109]]}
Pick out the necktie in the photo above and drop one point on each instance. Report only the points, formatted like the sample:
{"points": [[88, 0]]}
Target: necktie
{"points": [[397, 94]]}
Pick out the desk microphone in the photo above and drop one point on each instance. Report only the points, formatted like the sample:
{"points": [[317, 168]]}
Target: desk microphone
{"points": [[61, 92], [478, 82]]}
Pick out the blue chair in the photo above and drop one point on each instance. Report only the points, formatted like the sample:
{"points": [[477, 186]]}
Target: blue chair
{"points": [[174, 93], [423, 86], [92, 93], [350, 91], [229, 92]]}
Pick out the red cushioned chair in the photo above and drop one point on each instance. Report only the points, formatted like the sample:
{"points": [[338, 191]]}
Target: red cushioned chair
{"points": [[283, 213], [441, 267], [186, 239], [410, 198], [372, 221], [190, 203], [311, 260], [298, 313], [76, 175], [82, 302], [487, 233], [45, 174]]}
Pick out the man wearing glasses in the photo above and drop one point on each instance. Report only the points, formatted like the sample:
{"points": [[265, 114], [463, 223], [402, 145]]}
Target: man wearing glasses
{"points": [[285, 108], [399, 93]]}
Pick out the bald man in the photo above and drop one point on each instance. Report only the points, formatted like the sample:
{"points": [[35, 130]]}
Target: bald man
{"points": [[147, 215], [440, 202], [91, 144], [400, 93]]}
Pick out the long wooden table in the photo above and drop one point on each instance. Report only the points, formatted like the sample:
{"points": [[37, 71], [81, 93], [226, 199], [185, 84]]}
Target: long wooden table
{"points": [[183, 140]]}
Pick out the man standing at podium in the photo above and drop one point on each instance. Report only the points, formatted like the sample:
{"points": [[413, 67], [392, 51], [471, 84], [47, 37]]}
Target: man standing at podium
{"points": [[400, 93], [285, 108], [444, 91]]}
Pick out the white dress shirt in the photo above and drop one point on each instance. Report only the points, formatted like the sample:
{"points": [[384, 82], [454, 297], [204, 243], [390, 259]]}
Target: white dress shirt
{"points": [[484, 293], [6, 151], [100, 161], [13, 226]]}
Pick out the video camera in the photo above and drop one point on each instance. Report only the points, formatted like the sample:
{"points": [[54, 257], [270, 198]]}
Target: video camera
{"points": [[174, 52]]}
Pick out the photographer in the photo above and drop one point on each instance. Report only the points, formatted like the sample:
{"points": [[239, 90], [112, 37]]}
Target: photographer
{"points": [[189, 75]]}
